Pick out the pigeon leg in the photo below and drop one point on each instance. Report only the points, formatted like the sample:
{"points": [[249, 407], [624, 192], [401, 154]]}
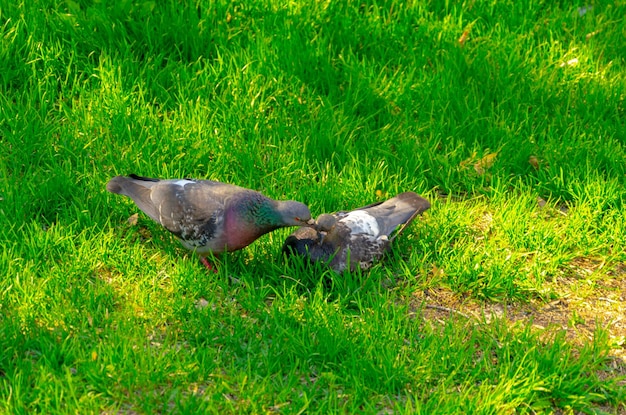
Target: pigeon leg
{"points": [[207, 264]]}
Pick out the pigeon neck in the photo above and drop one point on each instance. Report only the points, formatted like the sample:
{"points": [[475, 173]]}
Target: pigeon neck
{"points": [[264, 215], [267, 215]]}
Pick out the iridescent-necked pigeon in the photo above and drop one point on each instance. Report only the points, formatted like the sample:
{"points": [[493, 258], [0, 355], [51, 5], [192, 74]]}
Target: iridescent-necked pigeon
{"points": [[359, 237], [209, 216]]}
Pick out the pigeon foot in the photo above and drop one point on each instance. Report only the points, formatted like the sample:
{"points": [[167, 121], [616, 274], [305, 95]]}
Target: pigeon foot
{"points": [[208, 265]]}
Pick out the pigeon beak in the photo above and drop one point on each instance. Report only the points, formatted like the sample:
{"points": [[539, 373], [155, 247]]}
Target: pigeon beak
{"points": [[310, 222]]}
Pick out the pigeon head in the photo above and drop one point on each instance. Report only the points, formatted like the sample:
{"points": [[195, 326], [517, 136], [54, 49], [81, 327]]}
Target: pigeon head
{"points": [[293, 213], [326, 222]]}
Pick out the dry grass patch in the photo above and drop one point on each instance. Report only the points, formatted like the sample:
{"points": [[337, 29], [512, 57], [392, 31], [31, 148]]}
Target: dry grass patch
{"points": [[582, 307]]}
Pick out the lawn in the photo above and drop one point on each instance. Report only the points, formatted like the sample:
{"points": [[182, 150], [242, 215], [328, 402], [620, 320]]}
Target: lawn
{"points": [[507, 296]]}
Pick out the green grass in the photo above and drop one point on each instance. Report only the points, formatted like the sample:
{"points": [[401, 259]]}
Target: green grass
{"points": [[516, 136]]}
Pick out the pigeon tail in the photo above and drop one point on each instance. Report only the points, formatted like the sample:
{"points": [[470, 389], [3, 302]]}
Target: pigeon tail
{"points": [[121, 184], [138, 189], [399, 210], [115, 185]]}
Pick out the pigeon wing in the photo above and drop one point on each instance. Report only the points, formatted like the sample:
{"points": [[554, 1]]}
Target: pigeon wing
{"points": [[399, 210], [189, 209]]}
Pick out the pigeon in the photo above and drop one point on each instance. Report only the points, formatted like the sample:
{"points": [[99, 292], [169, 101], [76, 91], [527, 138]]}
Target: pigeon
{"points": [[208, 216], [358, 238]]}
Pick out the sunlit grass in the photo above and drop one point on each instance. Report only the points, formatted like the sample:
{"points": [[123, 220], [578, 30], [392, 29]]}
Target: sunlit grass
{"points": [[508, 116]]}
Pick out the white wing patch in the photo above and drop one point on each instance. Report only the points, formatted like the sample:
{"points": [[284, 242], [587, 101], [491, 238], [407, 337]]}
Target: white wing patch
{"points": [[359, 221], [182, 182]]}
